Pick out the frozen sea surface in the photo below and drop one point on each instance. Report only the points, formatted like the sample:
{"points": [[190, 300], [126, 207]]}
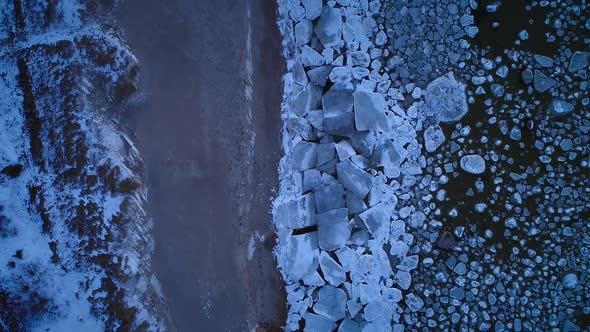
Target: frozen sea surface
{"points": [[472, 124]]}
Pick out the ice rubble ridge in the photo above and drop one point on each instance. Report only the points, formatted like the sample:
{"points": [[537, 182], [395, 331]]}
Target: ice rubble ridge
{"points": [[351, 151]]}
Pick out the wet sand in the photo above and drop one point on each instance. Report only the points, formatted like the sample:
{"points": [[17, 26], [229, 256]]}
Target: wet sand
{"points": [[211, 172]]}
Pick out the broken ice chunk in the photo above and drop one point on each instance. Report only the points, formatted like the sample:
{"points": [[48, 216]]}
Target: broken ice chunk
{"points": [[310, 57], [579, 60], [446, 98], [403, 279], [344, 150], [338, 112], [348, 325], [311, 179], [353, 178], [417, 219], [570, 280], [319, 75], [393, 295], [433, 138], [387, 155], [375, 310], [561, 107], [526, 76], [297, 213], [329, 27], [354, 203], [446, 240], [377, 220], [543, 82], [414, 302], [333, 273], [473, 163], [544, 61], [308, 99], [369, 111], [331, 303], [363, 142], [326, 153], [317, 323], [300, 255], [303, 156], [329, 196], [303, 31], [313, 8], [333, 229], [347, 258]]}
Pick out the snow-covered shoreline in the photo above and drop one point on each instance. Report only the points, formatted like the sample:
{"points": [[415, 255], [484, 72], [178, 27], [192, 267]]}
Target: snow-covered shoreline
{"points": [[75, 235]]}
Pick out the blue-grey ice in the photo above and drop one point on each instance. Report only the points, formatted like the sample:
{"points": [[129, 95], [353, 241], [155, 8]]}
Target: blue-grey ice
{"points": [[333, 229], [329, 27], [369, 111], [446, 99], [473, 164], [579, 60], [561, 107], [331, 303], [354, 178], [543, 82], [433, 138]]}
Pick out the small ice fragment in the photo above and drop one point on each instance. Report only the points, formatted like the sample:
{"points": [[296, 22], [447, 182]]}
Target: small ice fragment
{"points": [[561, 107], [473, 164], [446, 240], [502, 71], [510, 222], [414, 302], [579, 60], [544, 61], [543, 82], [381, 38], [433, 138], [570, 280], [526, 76]]}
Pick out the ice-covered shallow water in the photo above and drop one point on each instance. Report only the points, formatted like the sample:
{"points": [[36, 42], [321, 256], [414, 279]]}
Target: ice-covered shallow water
{"points": [[484, 225]]}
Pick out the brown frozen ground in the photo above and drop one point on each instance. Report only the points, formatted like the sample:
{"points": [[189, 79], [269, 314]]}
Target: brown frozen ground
{"points": [[210, 183]]}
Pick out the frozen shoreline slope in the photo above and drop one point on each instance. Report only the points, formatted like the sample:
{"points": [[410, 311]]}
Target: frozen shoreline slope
{"points": [[75, 238]]}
